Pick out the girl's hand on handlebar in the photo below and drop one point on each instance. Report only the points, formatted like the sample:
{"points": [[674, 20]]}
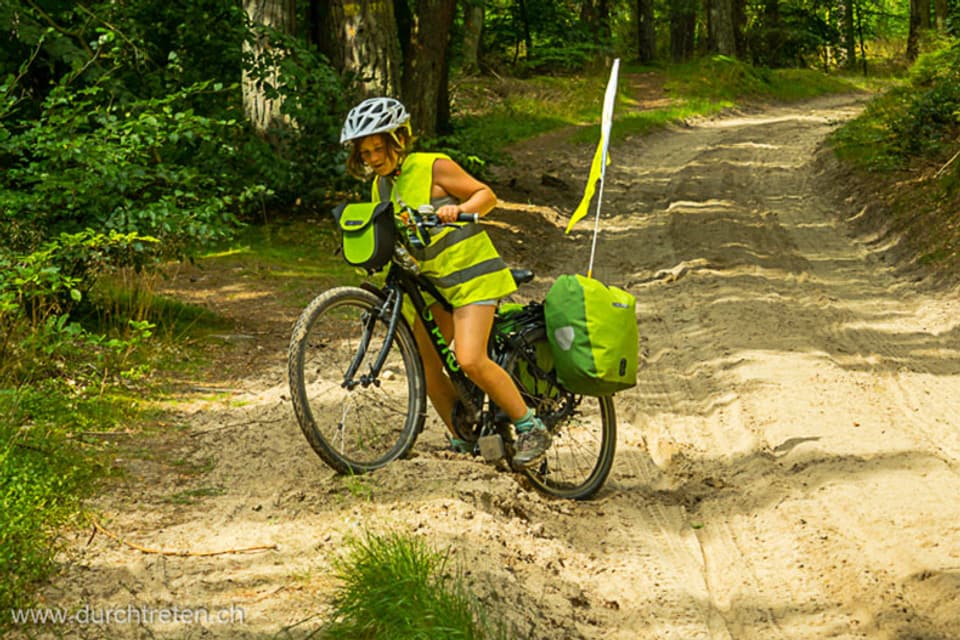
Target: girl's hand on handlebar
{"points": [[435, 220], [449, 212], [453, 213]]}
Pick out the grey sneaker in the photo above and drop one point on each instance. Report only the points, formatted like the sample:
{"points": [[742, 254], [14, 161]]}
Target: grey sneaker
{"points": [[531, 445]]}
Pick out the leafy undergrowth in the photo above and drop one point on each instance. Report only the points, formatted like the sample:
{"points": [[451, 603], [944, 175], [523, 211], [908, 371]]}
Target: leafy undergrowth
{"points": [[903, 155], [47, 464], [73, 379]]}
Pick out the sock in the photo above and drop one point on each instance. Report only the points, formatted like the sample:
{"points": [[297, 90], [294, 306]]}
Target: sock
{"points": [[526, 423]]}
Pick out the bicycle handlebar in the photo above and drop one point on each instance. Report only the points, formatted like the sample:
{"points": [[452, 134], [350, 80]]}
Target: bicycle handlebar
{"points": [[423, 220], [431, 220]]}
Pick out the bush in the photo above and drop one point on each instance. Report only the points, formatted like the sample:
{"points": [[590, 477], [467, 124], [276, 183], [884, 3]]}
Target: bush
{"points": [[932, 112], [53, 379], [154, 167], [919, 119]]}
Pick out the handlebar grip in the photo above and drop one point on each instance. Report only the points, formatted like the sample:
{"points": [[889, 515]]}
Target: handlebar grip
{"points": [[432, 220]]}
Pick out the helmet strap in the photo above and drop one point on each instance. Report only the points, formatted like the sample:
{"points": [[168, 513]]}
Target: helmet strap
{"points": [[396, 138]]}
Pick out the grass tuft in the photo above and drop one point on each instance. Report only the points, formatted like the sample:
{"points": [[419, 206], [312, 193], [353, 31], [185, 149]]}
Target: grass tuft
{"points": [[394, 586]]}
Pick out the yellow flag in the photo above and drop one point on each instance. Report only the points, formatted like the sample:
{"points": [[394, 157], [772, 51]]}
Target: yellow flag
{"points": [[595, 171], [600, 157]]}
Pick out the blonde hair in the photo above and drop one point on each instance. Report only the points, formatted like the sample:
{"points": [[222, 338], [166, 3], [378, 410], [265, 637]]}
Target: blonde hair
{"points": [[398, 142]]}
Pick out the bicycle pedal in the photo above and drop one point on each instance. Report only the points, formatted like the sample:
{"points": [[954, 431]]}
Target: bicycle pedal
{"points": [[491, 448]]}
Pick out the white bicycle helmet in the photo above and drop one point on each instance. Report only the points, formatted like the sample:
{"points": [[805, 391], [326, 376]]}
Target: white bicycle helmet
{"points": [[374, 115]]}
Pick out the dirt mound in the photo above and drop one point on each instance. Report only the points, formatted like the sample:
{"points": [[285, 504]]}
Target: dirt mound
{"points": [[787, 466]]}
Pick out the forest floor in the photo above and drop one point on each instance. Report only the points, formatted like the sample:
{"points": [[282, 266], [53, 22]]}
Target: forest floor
{"points": [[787, 467]]}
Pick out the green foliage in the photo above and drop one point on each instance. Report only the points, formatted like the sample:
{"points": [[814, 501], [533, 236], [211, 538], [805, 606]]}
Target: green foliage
{"points": [[188, 42], [43, 475], [932, 116], [121, 146], [38, 338], [919, 119], [717, 78], [134, 51], [866, 140], [540, 36], [518, 109], [393, 586], [727, 80], [796, 37], [55, 376], [301, 159], [515, 109], [153, 167]]}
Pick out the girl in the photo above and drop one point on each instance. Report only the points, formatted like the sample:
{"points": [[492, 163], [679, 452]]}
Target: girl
{"points": [[461, 261]]}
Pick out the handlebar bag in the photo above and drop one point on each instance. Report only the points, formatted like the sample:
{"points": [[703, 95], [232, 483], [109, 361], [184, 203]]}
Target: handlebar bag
{"points": [[592, 329], [367, 233]]}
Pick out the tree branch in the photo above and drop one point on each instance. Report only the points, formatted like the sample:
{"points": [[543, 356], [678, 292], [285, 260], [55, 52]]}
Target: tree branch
{"points": [[949, 162], [78, 35], [183, 554]]}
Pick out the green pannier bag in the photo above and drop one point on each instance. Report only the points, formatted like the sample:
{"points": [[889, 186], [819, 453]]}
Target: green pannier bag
{"points": [[592, 329], [367, 233]]}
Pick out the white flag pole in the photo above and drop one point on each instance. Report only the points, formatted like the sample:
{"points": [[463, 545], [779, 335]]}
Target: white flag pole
{"points": [[609, 98]]}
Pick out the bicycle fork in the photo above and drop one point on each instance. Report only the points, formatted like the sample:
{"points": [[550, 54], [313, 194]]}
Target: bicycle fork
{"points": [[391, 305], [391, 308]]}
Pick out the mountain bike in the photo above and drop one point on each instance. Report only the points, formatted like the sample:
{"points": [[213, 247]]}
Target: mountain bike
{"points": [[358, 390]]}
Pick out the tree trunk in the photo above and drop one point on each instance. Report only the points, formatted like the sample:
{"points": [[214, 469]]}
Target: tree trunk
{"points": [[940, 10], [913, 37], [646, 32], [923, 8], [849, 34], [360, 39], [472, 33], [264, 112], [683, 23], [595, 16], [527, 35], [724, 37], [771, 55], [424, 68], [863, 47], [740, 26], [709, 17]]}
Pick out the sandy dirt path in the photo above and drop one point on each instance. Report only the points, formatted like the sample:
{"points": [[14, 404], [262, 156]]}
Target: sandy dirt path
{"points": [[788, 466]]}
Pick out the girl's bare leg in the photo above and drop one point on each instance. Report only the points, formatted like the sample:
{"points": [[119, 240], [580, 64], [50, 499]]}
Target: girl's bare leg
{"points": [[472, 326], [439, 388]]}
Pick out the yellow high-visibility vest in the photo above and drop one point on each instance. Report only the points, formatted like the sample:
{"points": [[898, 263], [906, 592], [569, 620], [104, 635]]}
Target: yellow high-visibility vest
{"points": [[461, 260]]}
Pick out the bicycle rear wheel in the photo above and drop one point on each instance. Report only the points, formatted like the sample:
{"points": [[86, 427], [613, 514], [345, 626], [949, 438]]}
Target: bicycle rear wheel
{"points": [[358, 429], [584, 428]]}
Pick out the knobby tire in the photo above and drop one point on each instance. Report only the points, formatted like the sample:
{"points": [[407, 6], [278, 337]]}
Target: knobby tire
{"points": [[361, 429]]}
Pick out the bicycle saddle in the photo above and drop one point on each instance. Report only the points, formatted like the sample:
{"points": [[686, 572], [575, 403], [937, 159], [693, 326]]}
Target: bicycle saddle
{"points": [[521, 275]]}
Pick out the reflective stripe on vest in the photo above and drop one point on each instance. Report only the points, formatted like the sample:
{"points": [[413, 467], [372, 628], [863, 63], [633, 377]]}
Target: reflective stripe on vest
{"points": [[460, 260]]}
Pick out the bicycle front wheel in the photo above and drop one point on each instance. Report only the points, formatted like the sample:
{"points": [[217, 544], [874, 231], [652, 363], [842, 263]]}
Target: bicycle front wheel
{"points": [[584, 428], [355, 428]]}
